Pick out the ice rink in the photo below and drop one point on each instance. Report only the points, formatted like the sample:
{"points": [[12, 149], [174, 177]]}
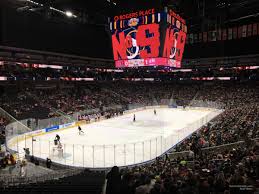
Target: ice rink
{"points": [[120, 141]]}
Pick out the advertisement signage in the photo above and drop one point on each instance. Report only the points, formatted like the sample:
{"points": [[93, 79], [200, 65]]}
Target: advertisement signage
{"points": [[51, 128]]}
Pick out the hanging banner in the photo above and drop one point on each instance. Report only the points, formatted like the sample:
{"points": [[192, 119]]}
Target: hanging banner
{"points": [[244, 31], [200, 37], [254, 29], [213, 35], [224, 34], [191, 38], [219, 34], [249, 30], [187, 39], [234, 32], [195, 37], [239, 32], [230, 34], [205, 36]]}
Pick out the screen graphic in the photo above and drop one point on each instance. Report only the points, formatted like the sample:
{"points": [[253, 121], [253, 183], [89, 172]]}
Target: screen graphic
{"points": [[137, 40], [175, 39]]}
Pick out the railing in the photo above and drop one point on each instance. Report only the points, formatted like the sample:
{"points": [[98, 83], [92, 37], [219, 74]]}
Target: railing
{"points": [[220, 148], [103, 156], [11, 180]]}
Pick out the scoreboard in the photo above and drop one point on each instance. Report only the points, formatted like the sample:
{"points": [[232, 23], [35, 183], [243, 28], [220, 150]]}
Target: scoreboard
{"points": [[148, 38]]}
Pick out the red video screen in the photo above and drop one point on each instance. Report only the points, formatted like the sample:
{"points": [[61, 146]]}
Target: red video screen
{"points": [[138, 40]]}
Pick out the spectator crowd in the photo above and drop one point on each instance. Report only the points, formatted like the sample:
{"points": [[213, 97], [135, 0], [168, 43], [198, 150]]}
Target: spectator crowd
{"points": [[233, 171], [205, 173]]}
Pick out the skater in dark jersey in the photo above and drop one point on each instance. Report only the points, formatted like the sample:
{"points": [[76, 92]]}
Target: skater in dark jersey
{"points": [[80, 130], [57, 139]]}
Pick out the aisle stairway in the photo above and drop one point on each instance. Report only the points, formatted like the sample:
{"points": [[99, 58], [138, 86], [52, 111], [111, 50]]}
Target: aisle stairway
{"points": [[86, 182]]}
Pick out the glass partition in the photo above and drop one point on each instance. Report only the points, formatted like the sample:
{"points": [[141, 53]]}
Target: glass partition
{"points": [[20, 136]]}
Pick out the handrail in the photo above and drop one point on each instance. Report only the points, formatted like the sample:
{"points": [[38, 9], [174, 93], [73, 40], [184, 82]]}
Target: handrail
{"points": [[10, 180], [213, 147]]}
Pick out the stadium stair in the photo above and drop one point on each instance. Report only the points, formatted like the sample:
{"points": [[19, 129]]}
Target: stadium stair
{"points": [[86, 182]]}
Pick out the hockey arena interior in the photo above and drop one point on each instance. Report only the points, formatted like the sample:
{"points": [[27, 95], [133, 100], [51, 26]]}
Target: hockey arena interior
{"points": [[129, 97]]}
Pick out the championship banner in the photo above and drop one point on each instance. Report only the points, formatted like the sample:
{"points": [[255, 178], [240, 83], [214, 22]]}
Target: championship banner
{"points": [[224, 34], [249, 30], [234, 32], [200, 37], [230, 35], [195, 38], [205, 36], [191, 38], [244, 31], [219, 34], [212, 36], [255, 29], [239, 32], [187, 39]]}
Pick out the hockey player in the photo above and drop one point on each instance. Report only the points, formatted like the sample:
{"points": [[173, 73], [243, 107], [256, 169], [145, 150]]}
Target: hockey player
{"points": [[134, 118], [154, 111], [80, 130], [57, 139]]}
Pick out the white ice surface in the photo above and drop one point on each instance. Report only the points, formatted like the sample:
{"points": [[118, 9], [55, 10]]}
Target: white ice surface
{"points": [[119, 141]]}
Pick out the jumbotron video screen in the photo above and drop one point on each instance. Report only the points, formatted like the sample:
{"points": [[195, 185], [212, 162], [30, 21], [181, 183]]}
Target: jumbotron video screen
{"points": [[148, 38]]}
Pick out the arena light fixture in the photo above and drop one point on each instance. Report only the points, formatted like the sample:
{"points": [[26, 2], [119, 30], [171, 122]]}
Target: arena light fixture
{"points": [[35, 3], [69, 14]]}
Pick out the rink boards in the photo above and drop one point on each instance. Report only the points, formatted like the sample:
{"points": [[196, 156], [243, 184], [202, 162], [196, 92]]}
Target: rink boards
{"points": [[134, 143]]}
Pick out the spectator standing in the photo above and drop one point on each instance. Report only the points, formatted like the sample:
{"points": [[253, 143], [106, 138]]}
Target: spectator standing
{"points": [[113, 181]]}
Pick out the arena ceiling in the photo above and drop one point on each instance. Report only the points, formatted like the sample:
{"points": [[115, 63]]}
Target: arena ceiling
{"points": [[196, 12], [201, 15]]}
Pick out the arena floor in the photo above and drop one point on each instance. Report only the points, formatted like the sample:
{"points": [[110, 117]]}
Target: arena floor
{"points": [[120, 141]]}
